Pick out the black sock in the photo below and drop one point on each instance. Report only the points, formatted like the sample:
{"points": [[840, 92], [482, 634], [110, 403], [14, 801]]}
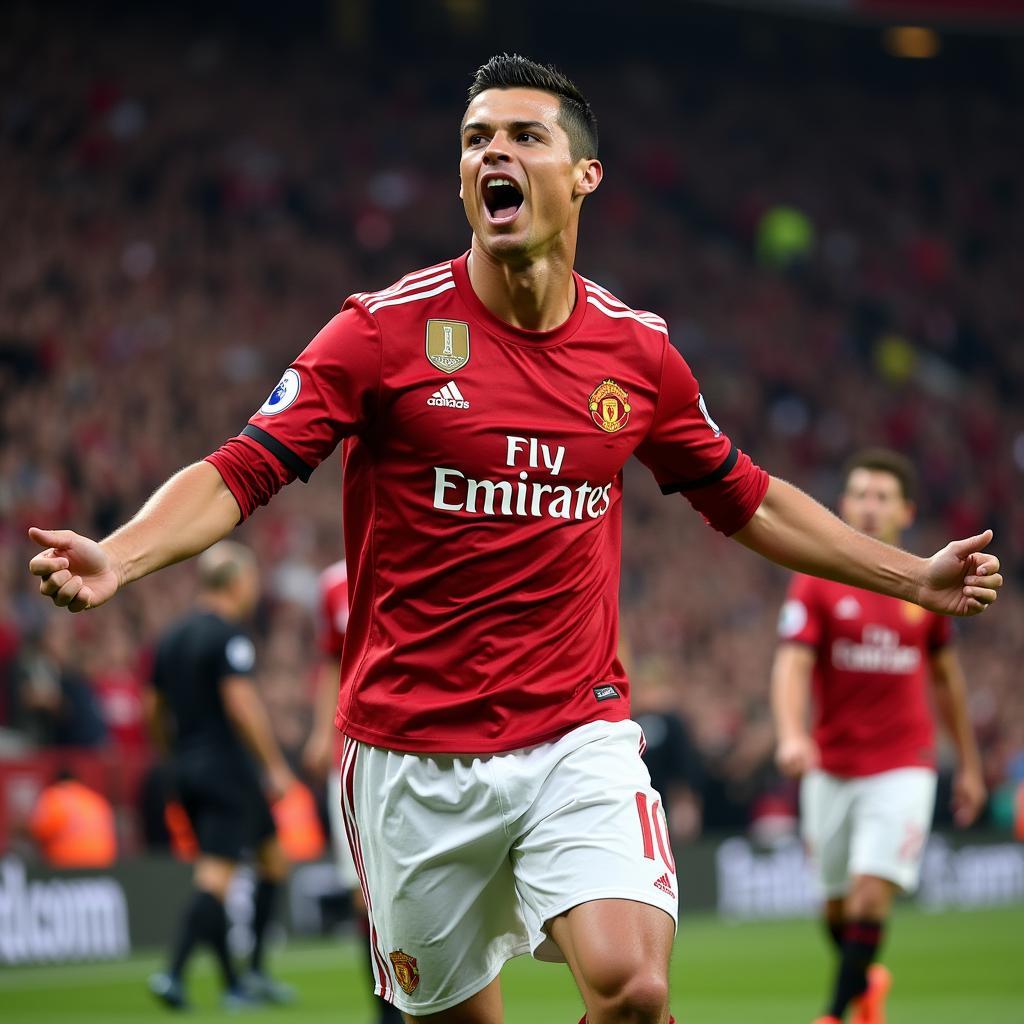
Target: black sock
{"points": [[263, 910], [861, 940], [835, 930], [204, 920]]}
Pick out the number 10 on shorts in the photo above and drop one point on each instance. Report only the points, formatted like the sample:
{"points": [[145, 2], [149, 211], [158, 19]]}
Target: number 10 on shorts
{"points": [[654, 826]]}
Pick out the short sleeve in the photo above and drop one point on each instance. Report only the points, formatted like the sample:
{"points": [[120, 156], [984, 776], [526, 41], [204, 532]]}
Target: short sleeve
{"points": [[237, 656], [690, 455], [328, 393], [800, 619], [940, 632]]}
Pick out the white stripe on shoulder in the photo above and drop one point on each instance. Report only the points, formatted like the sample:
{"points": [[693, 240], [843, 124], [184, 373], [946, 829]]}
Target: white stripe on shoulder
{"points": [[619, 314], [414, 297], [402, 282], [609, 300], [412, 286]]}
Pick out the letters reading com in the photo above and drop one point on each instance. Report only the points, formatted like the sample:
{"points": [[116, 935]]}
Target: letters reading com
{"points": [[455, 492]]}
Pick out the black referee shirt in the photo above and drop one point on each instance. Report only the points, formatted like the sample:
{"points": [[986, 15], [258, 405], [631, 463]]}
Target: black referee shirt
{"points": [[193, 658]]}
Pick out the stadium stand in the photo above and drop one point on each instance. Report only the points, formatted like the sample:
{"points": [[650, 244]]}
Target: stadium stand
{"points": [[182, 209]]}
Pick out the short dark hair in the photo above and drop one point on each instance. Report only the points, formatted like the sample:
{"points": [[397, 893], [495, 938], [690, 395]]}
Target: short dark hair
{"points": [[884, 460], [510, 71]]}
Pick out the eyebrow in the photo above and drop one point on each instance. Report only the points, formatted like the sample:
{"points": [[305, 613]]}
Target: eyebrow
{"points": [[514, 126]]}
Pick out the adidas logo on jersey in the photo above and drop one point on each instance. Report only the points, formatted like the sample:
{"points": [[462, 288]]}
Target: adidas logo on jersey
{"points": [[665, 885], [449, 397]]}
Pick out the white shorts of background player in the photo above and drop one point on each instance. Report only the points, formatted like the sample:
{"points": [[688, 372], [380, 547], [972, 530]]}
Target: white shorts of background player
{"points": [[464, 859], [873, 825]]}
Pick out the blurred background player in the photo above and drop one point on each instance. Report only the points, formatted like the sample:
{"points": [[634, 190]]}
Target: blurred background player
{"points": [[322, 754], [207, 714], [868, 767]]}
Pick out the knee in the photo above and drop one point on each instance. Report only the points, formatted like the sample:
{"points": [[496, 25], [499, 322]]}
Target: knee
{"points": [[213, 875], [271, 862], [870, 898], [620, 996]]}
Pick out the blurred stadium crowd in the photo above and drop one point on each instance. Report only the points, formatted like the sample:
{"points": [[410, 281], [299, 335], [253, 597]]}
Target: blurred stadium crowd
{"points": [[181, 211]]}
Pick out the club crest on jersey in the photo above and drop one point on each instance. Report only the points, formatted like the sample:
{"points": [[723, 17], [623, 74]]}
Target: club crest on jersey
{"points": [[283, 395], [406, 971], [448, 344], [609, 406]]}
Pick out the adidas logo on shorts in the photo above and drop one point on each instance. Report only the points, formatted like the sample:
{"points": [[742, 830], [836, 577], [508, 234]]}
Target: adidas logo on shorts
{"points": [[665, 885], [449, 397]]}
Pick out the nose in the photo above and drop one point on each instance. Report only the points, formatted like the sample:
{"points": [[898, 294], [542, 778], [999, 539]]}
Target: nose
{"points": [[495, 151]]}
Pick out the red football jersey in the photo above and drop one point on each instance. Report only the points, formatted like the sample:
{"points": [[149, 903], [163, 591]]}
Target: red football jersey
{"points": [[871, 709], [482, 489], [333, 623], [333, 609]]}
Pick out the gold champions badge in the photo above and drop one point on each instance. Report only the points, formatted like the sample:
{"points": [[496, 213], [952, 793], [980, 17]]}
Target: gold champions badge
{"points": [[448, 344], [609, 406], [405, 969]]}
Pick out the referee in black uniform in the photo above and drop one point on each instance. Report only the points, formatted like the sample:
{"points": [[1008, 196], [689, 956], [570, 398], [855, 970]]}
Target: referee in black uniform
{"points": [[207, 714]]}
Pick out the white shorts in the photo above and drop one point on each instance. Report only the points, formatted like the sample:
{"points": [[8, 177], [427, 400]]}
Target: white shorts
{"points": [[464, 860], [339, 840], [872, 825]]}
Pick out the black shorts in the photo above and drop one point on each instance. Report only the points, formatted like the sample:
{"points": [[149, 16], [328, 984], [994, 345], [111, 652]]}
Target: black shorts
{"points": [[225, 804]]}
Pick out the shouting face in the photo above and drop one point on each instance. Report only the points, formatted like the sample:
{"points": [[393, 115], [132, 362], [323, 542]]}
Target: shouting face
{"points": [[521, 187]]}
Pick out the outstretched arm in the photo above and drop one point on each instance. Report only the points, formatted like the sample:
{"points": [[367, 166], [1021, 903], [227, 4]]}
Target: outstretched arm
{"points": [[792, 529], [187, 514]]}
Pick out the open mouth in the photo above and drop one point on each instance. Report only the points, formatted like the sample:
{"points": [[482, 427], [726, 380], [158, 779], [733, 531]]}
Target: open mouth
{"points": [[502, 199]]}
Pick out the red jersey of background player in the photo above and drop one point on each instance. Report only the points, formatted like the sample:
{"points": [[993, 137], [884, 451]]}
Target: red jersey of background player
{"points": [[482, 488], [871, 706], [333, 617], [333, 622]]}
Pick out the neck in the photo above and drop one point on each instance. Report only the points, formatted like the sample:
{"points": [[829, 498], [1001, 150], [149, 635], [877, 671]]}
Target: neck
{"points": [[220, 604], [536, 295]]}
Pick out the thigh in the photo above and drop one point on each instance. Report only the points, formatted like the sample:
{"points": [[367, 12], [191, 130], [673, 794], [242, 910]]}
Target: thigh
{"points": [[430, 847], [595, 830], [825, 825], [892, 821]]}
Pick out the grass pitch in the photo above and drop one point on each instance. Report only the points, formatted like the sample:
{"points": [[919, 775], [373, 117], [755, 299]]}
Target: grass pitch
{"points": [[951, 968]]}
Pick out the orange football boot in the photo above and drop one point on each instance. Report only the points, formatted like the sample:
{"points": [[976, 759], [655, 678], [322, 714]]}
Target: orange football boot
{"points": [[870, 1007], [828, 1020]]}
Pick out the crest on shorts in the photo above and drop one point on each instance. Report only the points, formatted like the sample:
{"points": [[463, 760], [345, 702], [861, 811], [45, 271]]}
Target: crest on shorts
{"points": [[609, 406], [448, 344], [406, 971]]}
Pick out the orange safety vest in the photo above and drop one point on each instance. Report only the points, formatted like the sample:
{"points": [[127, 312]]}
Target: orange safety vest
{"points": [[74, 826], [298, 824]]}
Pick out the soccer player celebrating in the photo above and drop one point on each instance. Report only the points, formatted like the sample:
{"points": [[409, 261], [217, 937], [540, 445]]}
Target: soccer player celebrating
{"points": [[493, 789], [868, 775], [205, 711]]}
